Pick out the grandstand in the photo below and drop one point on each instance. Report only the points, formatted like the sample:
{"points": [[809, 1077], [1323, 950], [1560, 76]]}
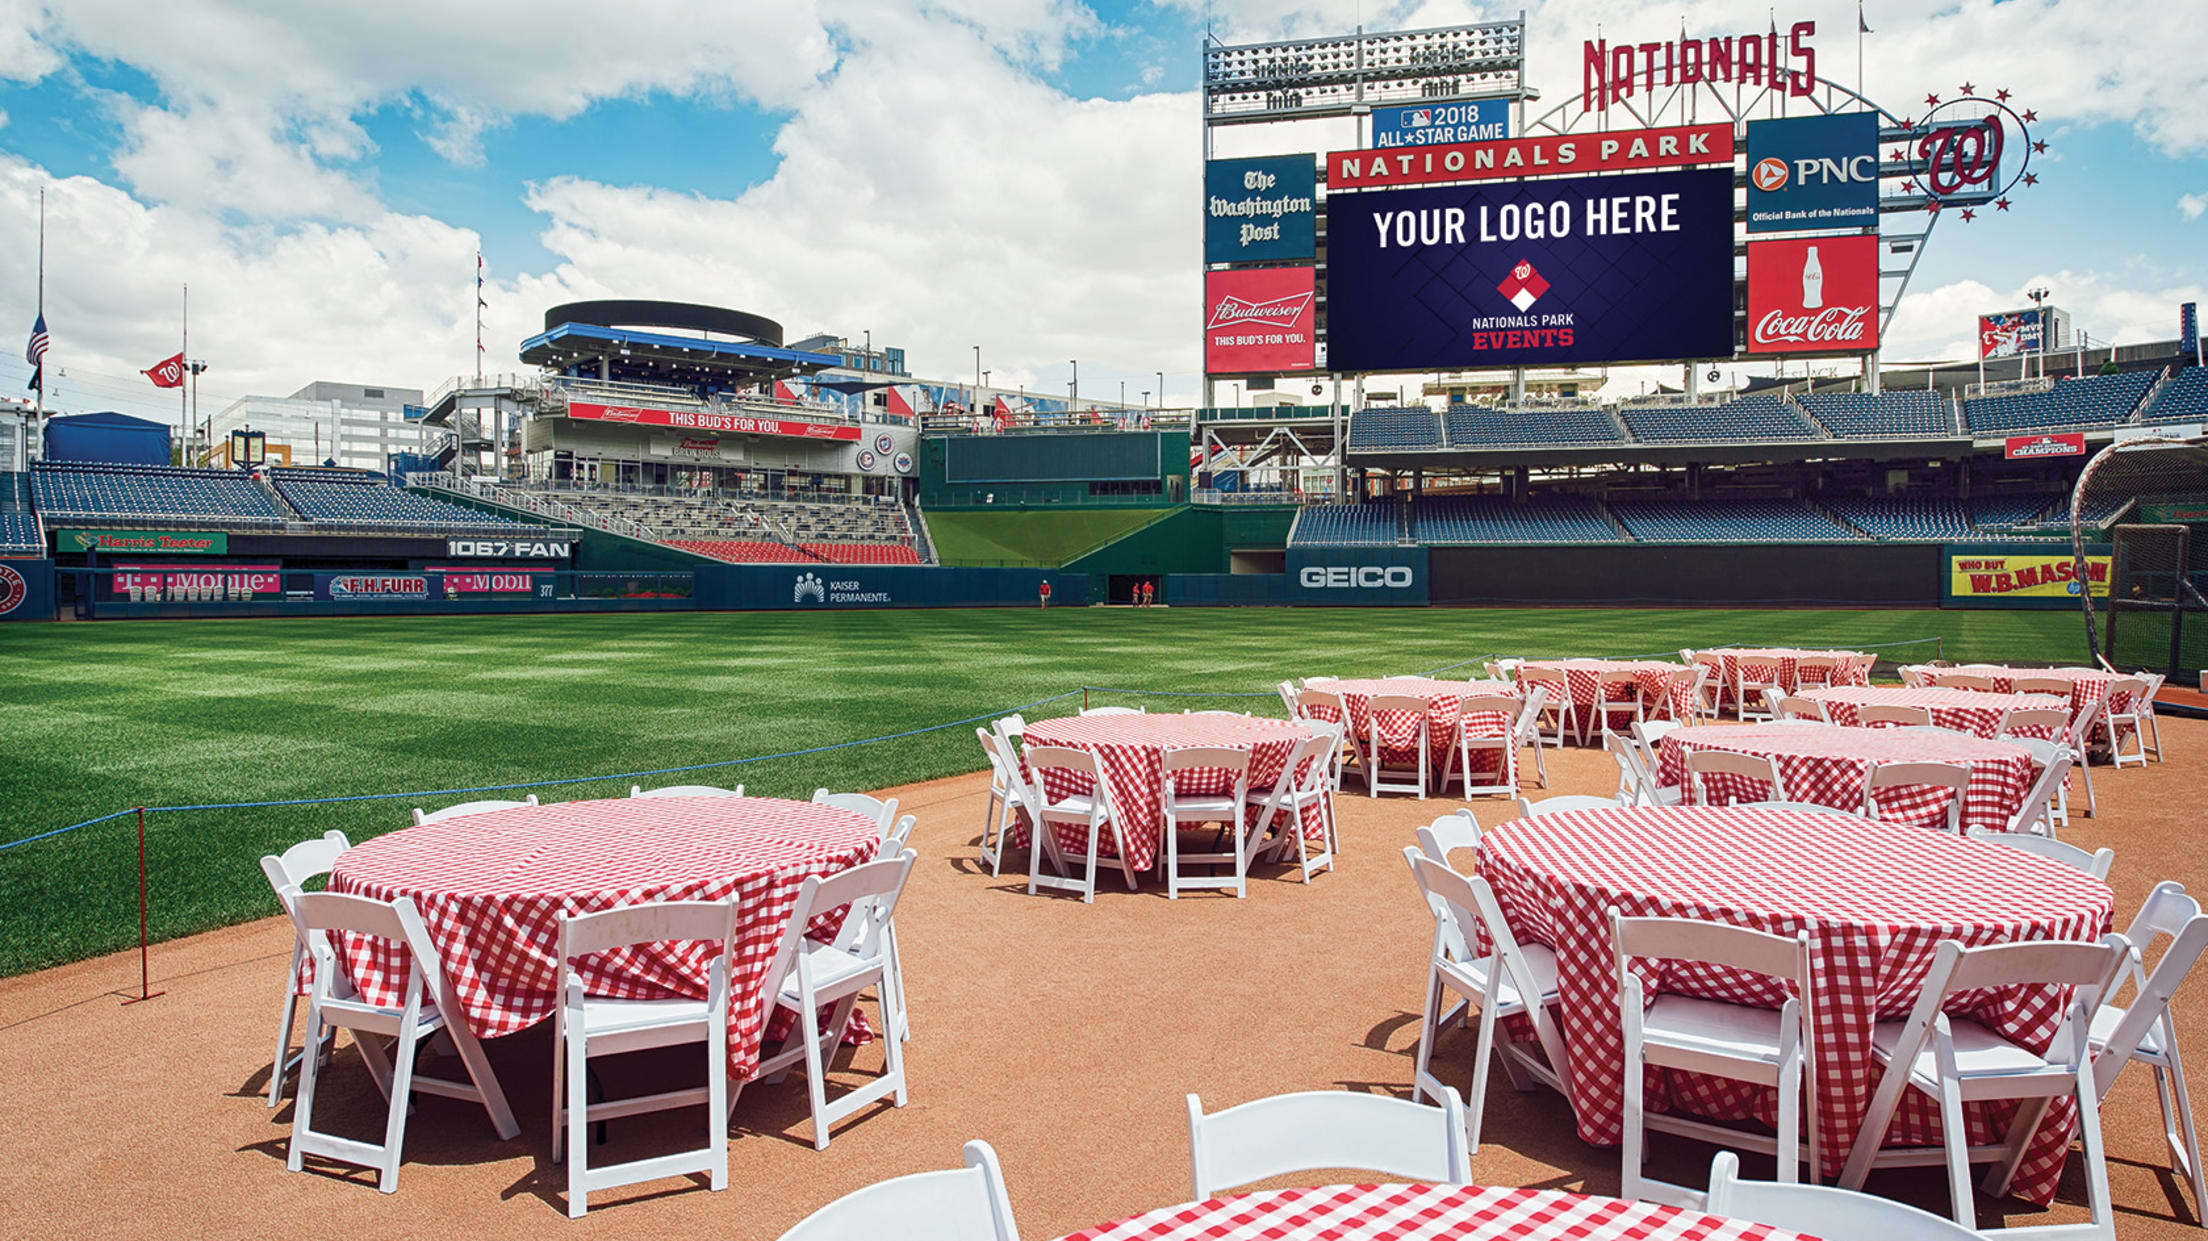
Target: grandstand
{"points": [[1931, 520], [359, 501], [1441, 520], [1765, 416], [1382, 428], [142, 494], [1373, 523], [748, 527], [1728, 521], [2183, 398], [1906, 414], [1510, 426], [2069, 404], [20, 534]]}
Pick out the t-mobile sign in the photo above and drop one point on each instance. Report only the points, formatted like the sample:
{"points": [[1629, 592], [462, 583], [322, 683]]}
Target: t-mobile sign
{"points": [[1259, 320], [1809, 295]]}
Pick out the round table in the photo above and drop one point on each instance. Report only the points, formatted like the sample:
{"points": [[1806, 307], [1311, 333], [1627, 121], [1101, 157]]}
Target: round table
{"points": [[1426, 1213], [1660, 699], [491, 888], [1780, 666], [1829, 764], [1399, 729], [2087, 685], [1876, 900], [1968, 711], [1132, 750]]}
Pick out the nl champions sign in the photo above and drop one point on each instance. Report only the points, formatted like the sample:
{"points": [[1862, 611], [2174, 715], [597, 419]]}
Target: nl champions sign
{"points": [[1260, 209], [1424, 124], [1813, 172], [1578, 270]]}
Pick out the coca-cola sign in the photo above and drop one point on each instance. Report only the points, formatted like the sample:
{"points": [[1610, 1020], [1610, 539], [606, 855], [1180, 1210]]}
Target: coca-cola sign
{"points": [[1813, 295]]}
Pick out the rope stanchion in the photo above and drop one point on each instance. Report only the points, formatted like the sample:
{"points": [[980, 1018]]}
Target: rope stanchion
{"points": [[145, 968]]}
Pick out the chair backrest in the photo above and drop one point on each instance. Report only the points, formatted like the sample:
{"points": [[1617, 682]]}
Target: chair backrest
{"points": [[1565, 804], [963, 1204], [1731, 763], [315, 915], [2081, 727], [884, 813], [1287, 692], [660, 922], [1631, 775], [1307, 698], [1712, 943], [1529, 713], [2096, 864], [303, 861], [2059, 686], [1823, 1210], [1650, 734], [2054, 770], [1965, 680], [1113, 711], [2091, 969], [1816, 663], [1952, 776], [1891, 713], [1395, 702], [1319, 1129], [1448, 834], [686, 790], [1617, 678], [1790, 707], [470, 807], [1464, 906], [2131, 687], [871, 891], [1484, 704], [1235, 763], [2167, 911], [1912, 675], [2018, 718], [1011, 728]]}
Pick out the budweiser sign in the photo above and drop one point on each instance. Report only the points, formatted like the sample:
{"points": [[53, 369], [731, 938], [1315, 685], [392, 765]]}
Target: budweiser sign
{"points": [[1811, 295], [703, 420], [1280, 311], [1260, 320]]}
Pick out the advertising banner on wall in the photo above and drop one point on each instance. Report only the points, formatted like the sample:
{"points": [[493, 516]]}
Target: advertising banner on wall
{"points": [[375, 587], [144, 542], [1810, 295], [2001, 577], [504, 549], [1813, 172], [26, 590], [1259, 210], [159, 583], [2010, 333], [465, 581], [1432, 124], [2029, 447], [1259, 320], [1624, 150], [1357, 576], [1576, 271], [702, 420]]}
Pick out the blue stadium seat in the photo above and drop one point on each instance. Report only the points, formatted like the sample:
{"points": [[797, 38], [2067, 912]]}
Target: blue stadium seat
{"points": [[333, 497], [1994, 514], [1762, 417], [1496, 519], [20, 535], [1372, 523], [1727, 521], [1481, 426], [2089, 401], [1906, 414], [1382, 428], [2183, 399], [102, 492]]}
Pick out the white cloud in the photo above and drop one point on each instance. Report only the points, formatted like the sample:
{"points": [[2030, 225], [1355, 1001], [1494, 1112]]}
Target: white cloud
{"points": [[1941, 323], [2192, 205]]}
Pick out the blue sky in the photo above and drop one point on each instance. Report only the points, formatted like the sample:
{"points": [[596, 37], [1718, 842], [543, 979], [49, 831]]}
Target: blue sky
{"points": [[1019, 174]]}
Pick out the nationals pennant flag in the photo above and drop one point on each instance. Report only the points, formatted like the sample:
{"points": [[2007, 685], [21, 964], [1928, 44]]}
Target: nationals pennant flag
{"points": [[167, 373]]}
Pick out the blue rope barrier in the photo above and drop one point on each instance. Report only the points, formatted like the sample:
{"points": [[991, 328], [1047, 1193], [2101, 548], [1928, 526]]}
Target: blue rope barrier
{"points": [[59, 831]]}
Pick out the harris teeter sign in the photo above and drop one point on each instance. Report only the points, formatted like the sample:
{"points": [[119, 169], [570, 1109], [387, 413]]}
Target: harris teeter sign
{"points": [[145, 542]]}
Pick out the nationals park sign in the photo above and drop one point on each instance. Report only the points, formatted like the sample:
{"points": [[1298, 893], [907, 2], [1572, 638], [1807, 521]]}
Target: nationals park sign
{"points": [[701, 420], [1628, 150]]}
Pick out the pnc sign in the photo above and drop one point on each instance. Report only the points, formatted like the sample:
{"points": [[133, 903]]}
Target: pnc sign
{"points": [[1813, 172]]}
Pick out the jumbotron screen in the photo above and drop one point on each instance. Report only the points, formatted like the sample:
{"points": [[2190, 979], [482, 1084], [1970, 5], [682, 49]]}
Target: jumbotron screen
{"points": [[1572, 271]]}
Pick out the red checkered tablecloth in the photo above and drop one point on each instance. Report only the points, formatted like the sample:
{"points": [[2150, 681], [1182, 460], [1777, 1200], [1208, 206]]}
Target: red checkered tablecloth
{"points": [[1132, 749], [1399, 729], [1876, 900], [1583, 682], [2087, 685], [1829, 764], [491, 888], [1978, 714], [1776, 665], [1427, 1213]]}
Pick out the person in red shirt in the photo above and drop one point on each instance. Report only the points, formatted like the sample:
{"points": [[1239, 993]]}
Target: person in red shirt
{"points": [[1046, 592], [1149, 593]]}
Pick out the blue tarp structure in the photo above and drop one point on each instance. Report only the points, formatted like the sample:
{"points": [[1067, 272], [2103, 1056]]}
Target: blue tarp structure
{"points": [[117, 439]]}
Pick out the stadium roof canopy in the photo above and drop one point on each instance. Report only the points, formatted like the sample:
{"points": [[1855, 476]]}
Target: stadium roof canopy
{"points": [[631, 340]]}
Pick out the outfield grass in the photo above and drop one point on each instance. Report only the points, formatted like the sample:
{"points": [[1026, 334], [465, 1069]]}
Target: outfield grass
{"points": [[1031, 536], [99, 717]]}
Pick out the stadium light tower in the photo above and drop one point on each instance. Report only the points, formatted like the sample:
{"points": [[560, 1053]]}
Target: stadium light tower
{"points": [[1161, 389], [1073, 385], [2039, 303], [977, 372]]}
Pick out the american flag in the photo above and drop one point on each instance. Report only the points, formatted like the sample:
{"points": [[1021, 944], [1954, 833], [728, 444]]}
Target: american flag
{"points": [[35, 352]]}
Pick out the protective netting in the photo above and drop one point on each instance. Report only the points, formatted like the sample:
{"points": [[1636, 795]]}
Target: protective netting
{"points": [[2147, 501]]}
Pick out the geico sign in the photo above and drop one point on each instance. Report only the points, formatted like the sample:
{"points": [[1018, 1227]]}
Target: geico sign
{"points": [[1355, 577]]}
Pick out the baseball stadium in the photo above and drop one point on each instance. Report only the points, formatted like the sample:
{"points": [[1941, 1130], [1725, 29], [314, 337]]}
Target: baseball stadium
{"points": [[1786, 758]]}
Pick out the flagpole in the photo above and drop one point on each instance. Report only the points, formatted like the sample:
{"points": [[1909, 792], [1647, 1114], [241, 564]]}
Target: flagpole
{"points": [[38, 416], [183, 415]]}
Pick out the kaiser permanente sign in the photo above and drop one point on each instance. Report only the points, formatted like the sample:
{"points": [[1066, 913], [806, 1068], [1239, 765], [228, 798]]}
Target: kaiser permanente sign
{"points": [[142, 542]]}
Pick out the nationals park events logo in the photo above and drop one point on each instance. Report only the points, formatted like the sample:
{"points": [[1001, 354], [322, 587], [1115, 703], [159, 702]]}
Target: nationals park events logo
{"points": [[1523, 286], [13, 590], [1279, 312]]}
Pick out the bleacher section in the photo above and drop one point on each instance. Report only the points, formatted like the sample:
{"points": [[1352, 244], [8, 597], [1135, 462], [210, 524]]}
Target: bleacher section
{"points": [[2183, 399], [1909, 519], [1382, 428], [1372, 523], [743, 551], [1496, 519], [1881, 415], [1727, 521], [20, 535], [1765, 416], [1473, 426], [366, 502], [2072, 404], [862, 553], [866, 530], [119, 494], [1997, 513]]}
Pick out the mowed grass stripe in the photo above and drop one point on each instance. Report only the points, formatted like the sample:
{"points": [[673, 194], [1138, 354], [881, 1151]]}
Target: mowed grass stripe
{"points": [[99, 717]]}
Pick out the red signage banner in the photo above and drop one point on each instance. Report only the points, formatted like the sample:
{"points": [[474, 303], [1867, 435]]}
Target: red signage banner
{"points": [[1620, 150], [198, 581], [2027, 447], [1260, 320], [473, 581], [700, 420], [1811, 295]]}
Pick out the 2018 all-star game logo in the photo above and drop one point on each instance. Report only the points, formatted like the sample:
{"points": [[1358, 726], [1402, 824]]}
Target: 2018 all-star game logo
{"points": [[13, 590], [1523, 286]]}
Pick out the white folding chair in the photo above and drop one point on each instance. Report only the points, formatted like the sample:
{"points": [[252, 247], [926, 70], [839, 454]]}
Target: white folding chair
{"points": [[884, 813], [1733, 1041], [2147, 1032], [1008, 800], [1376, 769], [1280, 810], [2036, 815], [1912, 675], [1112, 711], [1503, 747], [427, 1010], [1449, 833], [1554, 719], [1955, 777], [2096, 864], [2016, 720], [1878, 713], [1748, 700], [1803, 807], [1821, 1210], [1314, 705], [1501, 983], [1681, 683], [1327, 1129], [2114, 722], [1287, 691], [1565, 804], [1526, 731], [1225, 809], [1011, 728], [1617, 692], [1709, 687], [2143, 707], [686, 790], [585, 1025], [1791, 707], [1815, 671], [2079, 740], [1954, 1059], [1700, 763], [1636, 785], [2061, 687], [1967, 680], [470, 807], [963, 1204], [807, 974], [309, 859], [1091, 811]]}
